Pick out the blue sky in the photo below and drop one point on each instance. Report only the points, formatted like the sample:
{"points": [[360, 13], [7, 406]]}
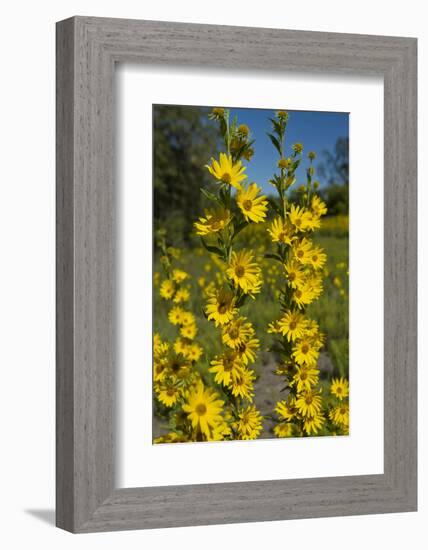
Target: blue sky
{"points": [[317, 131]]}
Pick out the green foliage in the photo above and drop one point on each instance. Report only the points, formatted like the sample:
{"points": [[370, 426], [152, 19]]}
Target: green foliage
{"points": [[183, 141], [335, 170]]}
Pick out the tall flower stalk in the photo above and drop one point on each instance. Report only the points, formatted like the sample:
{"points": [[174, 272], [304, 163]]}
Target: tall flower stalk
{"points": [[298, 338], [236, 204]]}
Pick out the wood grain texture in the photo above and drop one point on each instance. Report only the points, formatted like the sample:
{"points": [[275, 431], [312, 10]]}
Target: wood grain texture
{"points": [[87, 50]]}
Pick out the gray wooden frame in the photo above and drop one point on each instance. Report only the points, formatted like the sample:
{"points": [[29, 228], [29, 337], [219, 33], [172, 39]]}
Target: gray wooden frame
{"points": [[87, 50]]}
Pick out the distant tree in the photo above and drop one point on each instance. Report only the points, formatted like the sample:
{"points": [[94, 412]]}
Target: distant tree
{"points": [[183, 142], [335, 168], [335, 171]]}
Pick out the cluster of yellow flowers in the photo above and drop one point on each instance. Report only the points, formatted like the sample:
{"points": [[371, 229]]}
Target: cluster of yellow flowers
{"points": [[211, 398], [204, 414], [173, 372], [299, 341], [240, 275]]}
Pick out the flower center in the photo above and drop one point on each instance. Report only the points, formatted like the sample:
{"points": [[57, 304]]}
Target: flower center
{"points": [[239, 271], [282, 236], [315, 258], [308, 399], [339, 390], [292, 325], [222, 307], [226, 177], [245, 419], [305, 349], [342, 410], [234, 333], [247, 204], [215, 225], [299, 253], [298, 222], [292, 276], [227, 365], [303, 376], [170, 392], [201, 409]]}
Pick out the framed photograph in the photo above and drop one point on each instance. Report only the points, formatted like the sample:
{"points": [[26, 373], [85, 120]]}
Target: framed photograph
{"points": [[236, 274]]}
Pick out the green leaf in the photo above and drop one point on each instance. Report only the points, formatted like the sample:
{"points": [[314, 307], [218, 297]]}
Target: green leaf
{"points": [[277, 127], [210, 195], [243, 148], [223, 127], [274, 205], [239, 227], [275, 143], [276, 257], [241, 301], [212, 249]]}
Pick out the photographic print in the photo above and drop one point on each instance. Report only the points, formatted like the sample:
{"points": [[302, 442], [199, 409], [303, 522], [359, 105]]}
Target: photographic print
{"points": [[250, 274]]}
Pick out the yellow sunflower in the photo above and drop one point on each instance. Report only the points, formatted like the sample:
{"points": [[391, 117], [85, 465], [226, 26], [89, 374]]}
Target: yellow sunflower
{"points": [[281, 231], [250, 423], [182, 345], [284, 429], [188, 318], [237, 332], [244, 272], [178, 275], [340, 415], [247, 350], [220, 307], [159, 347], [253, 207], [303, 296], [340, 388], [295, 273], [316, 257], [214, 221], [299, 217], [159, 369], [226, 367], [301, 250], [182, 295], [312, 221], [309, 403], [318, 206], [305, 378], [189, 331], [168, 394], [226, 171], [194, 352], [242, 385], [220, 432], [292, 325], [312, 424], [305, 352], [203, 408], [178, 366], [167, 289], [175, 315], [287, 409]]}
